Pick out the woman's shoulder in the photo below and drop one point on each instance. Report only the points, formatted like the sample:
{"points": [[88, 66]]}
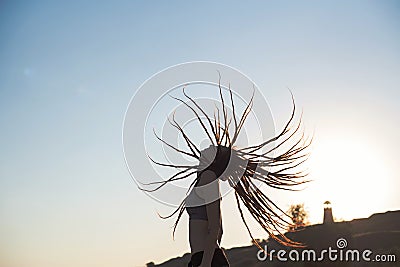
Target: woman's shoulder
{"points": [[206, 177], [208, 187]]}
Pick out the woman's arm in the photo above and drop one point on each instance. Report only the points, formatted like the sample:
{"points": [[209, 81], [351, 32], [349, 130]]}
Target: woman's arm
{"points": [[221, 231], [214, 227], [210, 193]]}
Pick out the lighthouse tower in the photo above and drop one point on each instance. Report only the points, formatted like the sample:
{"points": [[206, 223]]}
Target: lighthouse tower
{"points": [[328, 218]]}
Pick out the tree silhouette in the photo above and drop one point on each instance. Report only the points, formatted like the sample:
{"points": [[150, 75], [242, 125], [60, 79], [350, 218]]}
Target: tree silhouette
{"points": [[299, 216]]}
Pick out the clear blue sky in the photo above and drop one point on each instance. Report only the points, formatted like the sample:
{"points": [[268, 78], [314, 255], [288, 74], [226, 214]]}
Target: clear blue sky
{"points": [[68, 70]]}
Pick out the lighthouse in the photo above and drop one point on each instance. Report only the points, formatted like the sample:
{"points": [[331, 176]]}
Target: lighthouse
{"points": [[328, 218]]}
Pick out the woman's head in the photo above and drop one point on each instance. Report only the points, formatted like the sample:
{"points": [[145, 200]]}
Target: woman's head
{"points": [[216, 159]]}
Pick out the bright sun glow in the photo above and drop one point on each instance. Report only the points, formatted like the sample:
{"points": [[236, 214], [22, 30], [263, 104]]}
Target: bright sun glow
{"points": [[350, 174]]}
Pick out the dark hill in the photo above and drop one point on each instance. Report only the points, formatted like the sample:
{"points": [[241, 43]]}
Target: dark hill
{"points": [[379, 233]]}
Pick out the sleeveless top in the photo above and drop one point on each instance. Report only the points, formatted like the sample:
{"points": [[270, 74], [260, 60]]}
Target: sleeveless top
{"points": [[197, 212], [206, 194]]}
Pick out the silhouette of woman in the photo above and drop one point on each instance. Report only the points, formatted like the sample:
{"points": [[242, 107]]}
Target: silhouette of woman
{"points": [[243, 168], [205, 223]]}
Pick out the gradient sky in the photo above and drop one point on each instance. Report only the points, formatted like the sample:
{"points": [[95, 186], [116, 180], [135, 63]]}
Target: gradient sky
{"points": [[68, 70]]}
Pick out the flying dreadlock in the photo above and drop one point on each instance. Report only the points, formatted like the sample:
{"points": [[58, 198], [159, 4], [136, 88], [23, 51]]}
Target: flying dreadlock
{"points": [[252, 164]]}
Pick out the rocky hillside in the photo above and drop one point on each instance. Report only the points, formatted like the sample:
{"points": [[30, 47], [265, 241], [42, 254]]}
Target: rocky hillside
{"points": [[379, 233]]}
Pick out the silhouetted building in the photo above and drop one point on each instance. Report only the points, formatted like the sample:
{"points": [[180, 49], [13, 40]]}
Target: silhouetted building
{"points": [[328, 217]]}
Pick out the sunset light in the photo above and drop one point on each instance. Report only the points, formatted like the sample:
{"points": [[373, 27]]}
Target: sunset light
{"points": [[350, 172]]}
